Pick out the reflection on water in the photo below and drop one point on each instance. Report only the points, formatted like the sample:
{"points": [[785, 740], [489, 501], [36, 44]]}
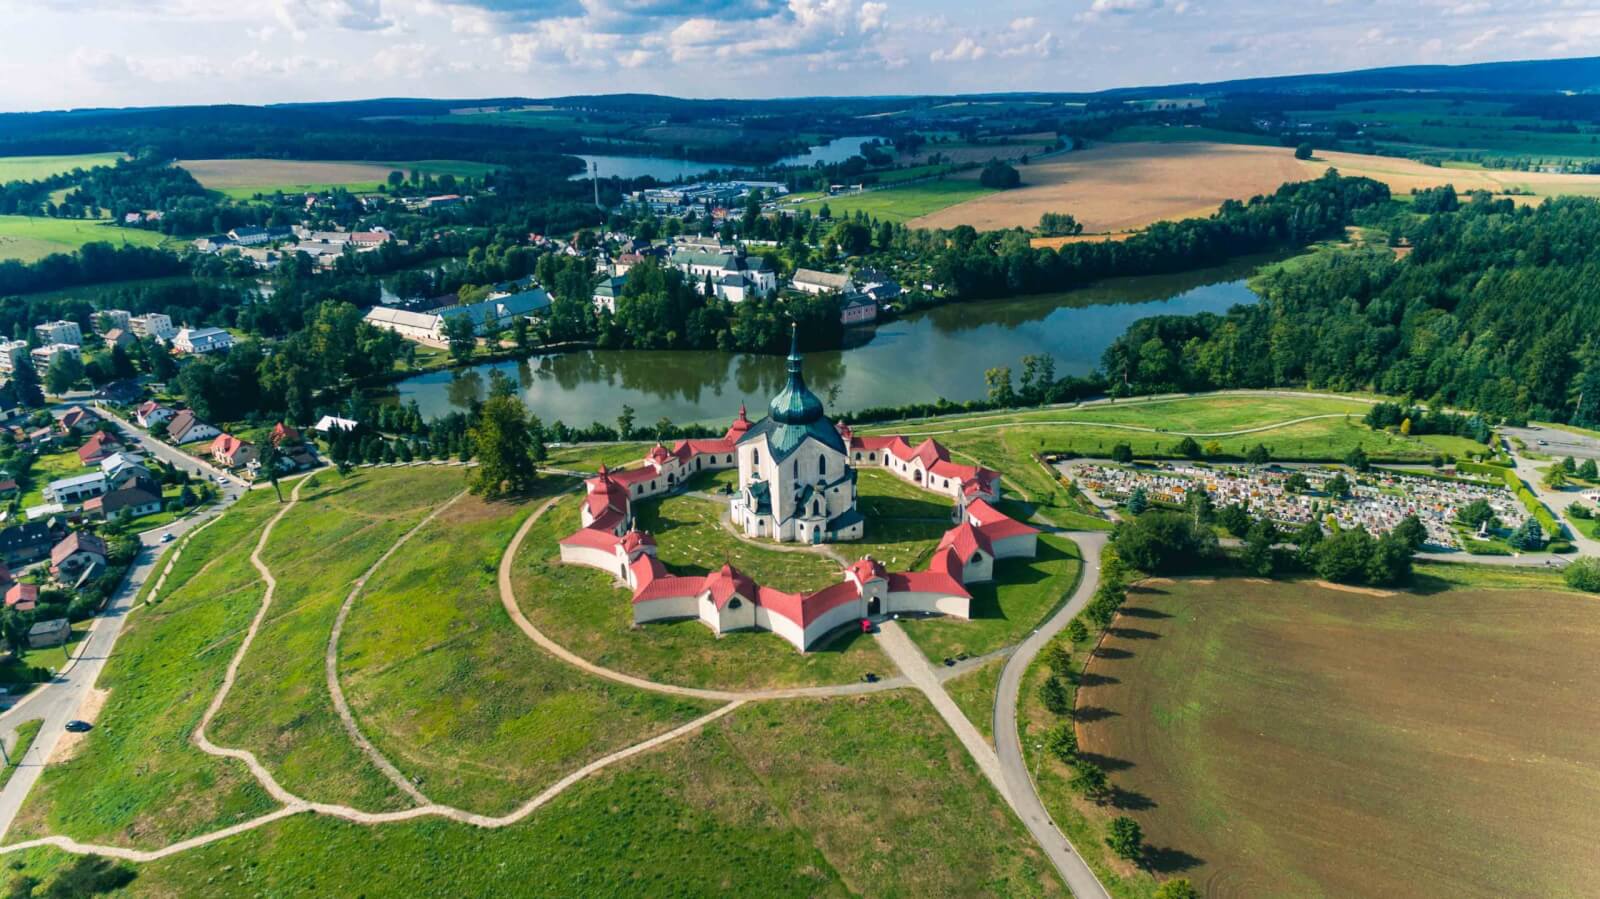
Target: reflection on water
{"points": [[939, 353], [837, 150]]}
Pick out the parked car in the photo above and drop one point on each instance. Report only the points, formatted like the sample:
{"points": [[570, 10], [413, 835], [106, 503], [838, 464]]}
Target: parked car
{"points": [[78, 727]]}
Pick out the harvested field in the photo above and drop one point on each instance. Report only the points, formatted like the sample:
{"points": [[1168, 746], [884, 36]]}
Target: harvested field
{"points": [[1122, 186], [1286, 739], [1117, 187]]}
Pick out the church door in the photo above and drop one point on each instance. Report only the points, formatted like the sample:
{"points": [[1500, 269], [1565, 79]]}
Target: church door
{"points": [[874, 607]]}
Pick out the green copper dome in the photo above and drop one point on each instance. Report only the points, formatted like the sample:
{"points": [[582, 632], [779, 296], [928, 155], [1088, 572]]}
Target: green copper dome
{"points": [[795, 404]]}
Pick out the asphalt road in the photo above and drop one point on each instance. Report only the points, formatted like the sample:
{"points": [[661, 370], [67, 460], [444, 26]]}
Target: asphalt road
{"points": [[156, 449], [58, 701], [1013, 767], [1556, 443]]}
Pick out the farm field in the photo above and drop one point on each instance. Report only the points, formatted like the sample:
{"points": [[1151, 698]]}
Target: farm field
{"points": [[867, 796], [1121, 186], [901, 204], [1256, 733], [35, 168], [30, 238], [244, 178], [1419, 124], [1127, 185]]}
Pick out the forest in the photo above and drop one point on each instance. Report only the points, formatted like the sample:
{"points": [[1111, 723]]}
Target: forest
{"points": [[1493, 310]]}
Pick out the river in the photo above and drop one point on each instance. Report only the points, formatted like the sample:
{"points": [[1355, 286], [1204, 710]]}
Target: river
{"points": [[941, 352]]}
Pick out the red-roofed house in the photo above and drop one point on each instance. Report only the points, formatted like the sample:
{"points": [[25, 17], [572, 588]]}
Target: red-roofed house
{"points": [[284, 434], [1011, 539], [77, 551], [231, 452], [99, 445], [22, 597]]}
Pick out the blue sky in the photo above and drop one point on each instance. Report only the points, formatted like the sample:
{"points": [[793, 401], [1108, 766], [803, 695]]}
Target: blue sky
{"points": [[66, 53]]}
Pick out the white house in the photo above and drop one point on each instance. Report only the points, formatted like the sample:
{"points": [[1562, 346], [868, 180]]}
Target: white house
{"points": [[44, 355], [60, 332], [812, 281], [75, 489], [152, 325], [11, 353], [199, 341]]}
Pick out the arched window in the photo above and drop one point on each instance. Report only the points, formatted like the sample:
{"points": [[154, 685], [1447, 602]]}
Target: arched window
{"points": [[872, 457], [822, 465], [755, 457]]}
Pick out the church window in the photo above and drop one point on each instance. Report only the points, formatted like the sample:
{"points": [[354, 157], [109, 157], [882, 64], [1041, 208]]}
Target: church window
{"points": [[822, 465], [755, 457]]}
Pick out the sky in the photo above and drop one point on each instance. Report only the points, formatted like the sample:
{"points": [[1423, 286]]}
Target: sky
{"points": [[78, 53]]}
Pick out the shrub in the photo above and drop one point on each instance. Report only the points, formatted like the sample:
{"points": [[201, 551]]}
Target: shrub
{"points": [[1584, 574], [1164, 542], [1053, 694]]}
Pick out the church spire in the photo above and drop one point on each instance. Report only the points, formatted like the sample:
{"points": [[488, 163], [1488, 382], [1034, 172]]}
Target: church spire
{"points": [[795, 404]]}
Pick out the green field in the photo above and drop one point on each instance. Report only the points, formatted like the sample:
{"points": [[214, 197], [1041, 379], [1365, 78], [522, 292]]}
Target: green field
{"points": [[138, 781], [1166, 135], [242, 179], [37, 168], [1419, 125], [1261, 736], [899, 204], [794, 799], [30, 238], [503, 720], [46, 468], [974, 692]]}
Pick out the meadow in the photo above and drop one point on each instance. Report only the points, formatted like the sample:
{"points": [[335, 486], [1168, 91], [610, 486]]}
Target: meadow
{"points": [[867, 796], [242, 179], [36, 168], [1416, 124], [31, 238], [902, 204], [1256, 732]]}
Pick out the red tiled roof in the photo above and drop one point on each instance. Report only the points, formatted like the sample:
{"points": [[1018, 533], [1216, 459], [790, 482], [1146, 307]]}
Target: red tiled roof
{"points": [[728, 581], [77, 541], [739, 426], [826, 600], [658, 453], [635, 475], [606, 521], [635, 539], [645, 569], [926, 582], [995, 524], [592, 538], [22, 597], [966, 540], [947, 561], [867, 568], [670, 588]]}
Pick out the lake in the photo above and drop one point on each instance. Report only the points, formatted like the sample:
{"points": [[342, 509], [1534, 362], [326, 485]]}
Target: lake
{"points": [[941, 352], [662, 169]]}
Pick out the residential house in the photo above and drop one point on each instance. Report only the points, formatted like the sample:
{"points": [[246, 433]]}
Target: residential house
{"points": [[214, 243], [153, 326], [124, 469], [202, 340], [55, 632], [285, 435], [108, 319], [44, 355], [99, 445], [9, 488], [79, 418], [857, 309], [116, 337], [76, 552], [75, 489], [46, 512], [231, 452], [128, 502], [152, 413], [12, 352], [442, 201], [122, 393], [329, 423], [812, 281], [59, 332], [28, 542], [186, 427], [877, 284], [22, 597]]}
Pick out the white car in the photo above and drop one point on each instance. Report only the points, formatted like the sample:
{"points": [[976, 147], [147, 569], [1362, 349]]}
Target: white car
{"points": [[167, 537]]}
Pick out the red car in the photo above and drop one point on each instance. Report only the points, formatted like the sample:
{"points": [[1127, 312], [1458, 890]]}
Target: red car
{"points": [[866, 625]]}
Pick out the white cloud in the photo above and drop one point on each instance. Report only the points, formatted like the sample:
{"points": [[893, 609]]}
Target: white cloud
{"points": [[1024, 23], [965, 50]]}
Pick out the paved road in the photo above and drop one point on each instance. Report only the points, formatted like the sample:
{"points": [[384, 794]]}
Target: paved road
{"points": [[58, 701], [1014, 768], [1557, 500], [164, 452], [1557, 443]]}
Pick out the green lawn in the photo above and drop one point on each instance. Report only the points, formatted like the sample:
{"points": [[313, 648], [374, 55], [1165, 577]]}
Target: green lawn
{"points": [[37, 168], [692, 539], [870, 796], [30, 238], [899, 204], [456, 696], [138, 780], [1166, 135], [26, 732], [50, 467], [974, 693], [238, 184], [280, 707], [1022, 594], [587, 612]]}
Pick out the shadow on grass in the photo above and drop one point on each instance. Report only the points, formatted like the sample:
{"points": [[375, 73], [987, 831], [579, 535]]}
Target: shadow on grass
{"points": [[1167, 860], [1087, 713], [1130, 801], [1108, 762], [1142, 612], [1090, 679], [1132, 633], [1111, 652]]}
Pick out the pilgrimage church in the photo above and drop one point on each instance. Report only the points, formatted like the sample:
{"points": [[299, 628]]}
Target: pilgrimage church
{"points": [[797, 483]]}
